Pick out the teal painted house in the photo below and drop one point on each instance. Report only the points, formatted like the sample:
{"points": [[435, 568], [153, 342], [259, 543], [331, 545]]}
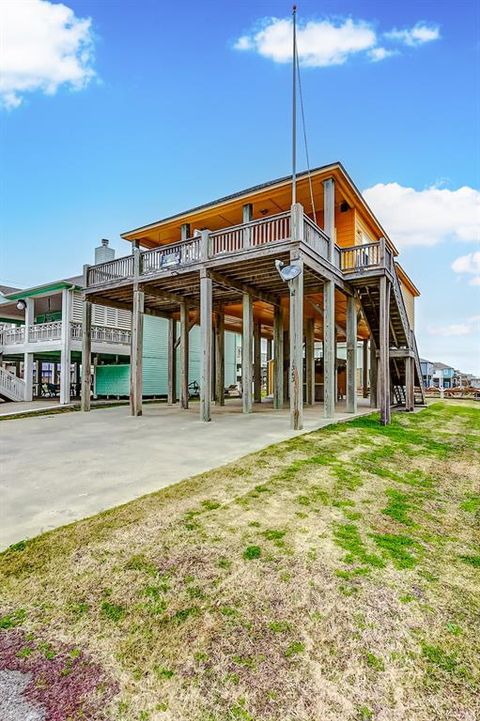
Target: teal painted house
{"points": [[114, 380]]}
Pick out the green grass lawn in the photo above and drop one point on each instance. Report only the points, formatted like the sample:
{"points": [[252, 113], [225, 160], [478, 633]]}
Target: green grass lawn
{"points": [[332, 577]]}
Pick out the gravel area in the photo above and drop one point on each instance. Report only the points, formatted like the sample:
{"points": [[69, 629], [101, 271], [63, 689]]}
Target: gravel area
{"points": [[13, 705]]}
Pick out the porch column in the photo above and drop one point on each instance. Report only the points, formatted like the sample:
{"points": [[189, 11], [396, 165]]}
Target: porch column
{"points": [[384, 369], [184, 333], [28, 375], [278, 362], [220, 358], [409, 385], [365, 368], [257, 363], [329, 215], [329, 362], [373, 374], [172, 362], [86, 355], [247, 352], [205, 346], [185, 231], [38, 378], [136, 353], [269, 349], [351, 355], [296, 344], [310, 360], [65, 355]]}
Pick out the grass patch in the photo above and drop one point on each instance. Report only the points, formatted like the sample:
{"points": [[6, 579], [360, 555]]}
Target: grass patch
{"points": [[167, 593]]}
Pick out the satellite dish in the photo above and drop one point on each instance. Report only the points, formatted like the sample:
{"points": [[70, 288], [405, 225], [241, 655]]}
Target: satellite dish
{"points": [[287, 272]]}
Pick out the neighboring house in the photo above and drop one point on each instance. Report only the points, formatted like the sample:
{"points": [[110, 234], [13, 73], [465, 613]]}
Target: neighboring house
{"points": [[41, 342], [427, 372], [475, 382], [320, 270], [443, 375]]}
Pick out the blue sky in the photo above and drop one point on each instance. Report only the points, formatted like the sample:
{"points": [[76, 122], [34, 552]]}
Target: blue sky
{"points": [[170, 113]]}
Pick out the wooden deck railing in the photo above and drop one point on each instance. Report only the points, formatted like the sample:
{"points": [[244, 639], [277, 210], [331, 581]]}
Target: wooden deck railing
{"points": [[182, 253], [112, 270], [248, 235]]}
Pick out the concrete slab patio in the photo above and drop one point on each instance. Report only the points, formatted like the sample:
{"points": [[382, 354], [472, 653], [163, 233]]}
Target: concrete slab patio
{"points": [[59, 468]]}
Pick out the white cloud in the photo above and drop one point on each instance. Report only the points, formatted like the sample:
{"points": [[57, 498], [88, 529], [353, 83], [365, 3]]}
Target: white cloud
{"points": [[44, 46], [330, 41], [468, 265], [470, 326], [417, 35], [426, 217]]}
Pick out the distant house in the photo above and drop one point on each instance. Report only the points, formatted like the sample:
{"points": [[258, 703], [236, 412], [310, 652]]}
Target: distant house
{"points": [[443, 375], [427, 372]]}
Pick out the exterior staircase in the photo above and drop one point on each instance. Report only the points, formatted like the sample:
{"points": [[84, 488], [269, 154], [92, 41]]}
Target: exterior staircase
{"points": [[402, 342], [12, 388]]}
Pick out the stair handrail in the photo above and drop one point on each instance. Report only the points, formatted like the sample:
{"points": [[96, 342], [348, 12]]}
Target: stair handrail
{"points": [[12, 385]]}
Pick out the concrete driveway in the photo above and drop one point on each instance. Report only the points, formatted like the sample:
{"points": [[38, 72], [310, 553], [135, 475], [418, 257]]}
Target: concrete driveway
{"points": [[59, 468]]}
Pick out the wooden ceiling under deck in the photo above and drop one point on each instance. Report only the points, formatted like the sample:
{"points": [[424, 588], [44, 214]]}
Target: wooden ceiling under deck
{"points": [[260, 274]]}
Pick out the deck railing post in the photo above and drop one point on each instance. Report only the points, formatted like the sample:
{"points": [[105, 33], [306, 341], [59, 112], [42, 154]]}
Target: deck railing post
{"points": [[296, 344], [205, 245], [184, 354], [205, 345], [329, 216], [384, 366], [351, 355], [247, 217], [329, 359], [278, 358], [86, 347], [381, 253], [247, 352]]}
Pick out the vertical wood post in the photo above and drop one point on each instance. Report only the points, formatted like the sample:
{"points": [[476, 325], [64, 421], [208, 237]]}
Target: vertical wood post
{"points": [[65, 355], [38, 377], [365, 368], [205, 244], [296, 345], [351, 355], [184, 353], [329, 216], [384, 365], [247, 216], [278, 363], [257, 363], [205, 346], [373, 374], [86, 347], [172, 362], [220, 358], [329, 361], [136, 353], [185, 231], [28, 375], [310, 360], [409, 385], [247, 350]]}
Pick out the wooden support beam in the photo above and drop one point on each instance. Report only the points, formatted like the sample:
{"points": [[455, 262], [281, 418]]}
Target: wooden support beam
{"points": [[384, 365], [409, 385], [329, 360], [310, 361], [365, 368], [329, 216], [269, 349], [163, 294], [296, 345], [86, 348], [136, 354], [172, 362], [257, 363], [184, 353], [247, 349], [121, 305], [373, 374], [220, 358], [205, 346], [242, 288], [351, 356], [278, 364]]}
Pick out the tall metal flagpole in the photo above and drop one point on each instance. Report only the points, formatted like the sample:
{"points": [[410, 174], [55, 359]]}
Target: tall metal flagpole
{"points": [[294, 108]]}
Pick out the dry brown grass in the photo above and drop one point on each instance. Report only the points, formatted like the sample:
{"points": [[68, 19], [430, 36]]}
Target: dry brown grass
{"points": [[332, 577]]}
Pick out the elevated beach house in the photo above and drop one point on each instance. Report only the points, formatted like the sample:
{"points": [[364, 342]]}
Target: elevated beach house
{"points": [[307, 276]]}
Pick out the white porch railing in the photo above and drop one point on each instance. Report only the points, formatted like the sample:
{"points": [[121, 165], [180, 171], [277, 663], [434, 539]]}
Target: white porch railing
{"points": [[183, 253], [101, 334], [45, 332], [11, 386]]}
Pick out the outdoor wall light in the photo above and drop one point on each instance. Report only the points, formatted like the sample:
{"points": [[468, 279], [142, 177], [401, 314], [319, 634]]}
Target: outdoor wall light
{"points": [[344, 207], [21, 304], [287, 272]]}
